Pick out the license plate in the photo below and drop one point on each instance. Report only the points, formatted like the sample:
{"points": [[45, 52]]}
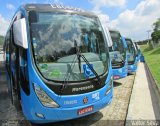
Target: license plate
{"points": [[85, 110], [116, 77]]}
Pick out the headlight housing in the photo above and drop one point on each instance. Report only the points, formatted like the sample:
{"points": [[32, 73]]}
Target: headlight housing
{"points": [[44, 98], [110, 86]]}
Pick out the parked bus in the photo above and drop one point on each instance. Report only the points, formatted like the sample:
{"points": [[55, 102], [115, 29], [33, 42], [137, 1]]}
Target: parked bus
{"points": [[138, 51], [57, 63], [132, 59], [117, 51]]}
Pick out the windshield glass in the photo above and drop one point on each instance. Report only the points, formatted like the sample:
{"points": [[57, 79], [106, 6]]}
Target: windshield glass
{"points": [[117, 42], [131, 48], [118, 47], [53, 41]]}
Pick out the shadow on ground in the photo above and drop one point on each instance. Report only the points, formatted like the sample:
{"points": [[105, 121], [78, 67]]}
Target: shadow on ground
{"points": [[130, 74], [87, 121], [116, 84]]}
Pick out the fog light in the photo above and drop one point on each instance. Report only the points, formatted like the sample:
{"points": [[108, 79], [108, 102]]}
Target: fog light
{"points": [[40, 115]]}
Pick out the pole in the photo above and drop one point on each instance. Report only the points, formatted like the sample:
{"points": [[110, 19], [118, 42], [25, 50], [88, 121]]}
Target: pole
{"points": [[148, 31]]}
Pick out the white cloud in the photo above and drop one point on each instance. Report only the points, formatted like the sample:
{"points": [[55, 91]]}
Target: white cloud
{"points": [[112, 3], [3, 25], [103, 17], [105, 3], [10, 6], [135, 23]]}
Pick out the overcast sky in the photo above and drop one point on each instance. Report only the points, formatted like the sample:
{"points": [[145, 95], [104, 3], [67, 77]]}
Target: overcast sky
{"points": [[131, 17]]}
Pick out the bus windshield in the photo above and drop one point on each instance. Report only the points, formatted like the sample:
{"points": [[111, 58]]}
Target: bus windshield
{"points": [[53, 37], [117, 43], [131, 48]]}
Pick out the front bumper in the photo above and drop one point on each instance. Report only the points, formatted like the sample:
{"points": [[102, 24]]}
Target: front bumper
{"points": [[35, 112], [61, 114], [132, 68], [119, 73]]}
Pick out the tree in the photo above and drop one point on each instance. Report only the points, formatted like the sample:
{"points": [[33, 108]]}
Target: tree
{"points": [[156, 25], [156, 31], [155, 36]]}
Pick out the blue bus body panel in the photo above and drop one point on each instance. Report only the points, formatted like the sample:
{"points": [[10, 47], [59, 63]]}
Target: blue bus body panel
{"points": [[132, 68], [139, 56], [121, 72], [31, 104]]}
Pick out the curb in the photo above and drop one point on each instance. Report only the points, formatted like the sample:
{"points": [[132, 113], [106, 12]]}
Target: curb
{"points": [[127, 120], [153, 83]]}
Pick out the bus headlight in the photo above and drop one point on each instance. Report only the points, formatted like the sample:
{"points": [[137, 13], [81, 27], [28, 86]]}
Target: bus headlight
{"points": [[110, 86], [44, 98]]}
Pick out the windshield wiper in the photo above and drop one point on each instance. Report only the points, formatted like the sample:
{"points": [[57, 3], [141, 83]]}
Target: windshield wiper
{"points": [[79, 55], [67, 76]]}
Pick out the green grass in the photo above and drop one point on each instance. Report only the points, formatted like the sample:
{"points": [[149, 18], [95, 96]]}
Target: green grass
{"points": [[152, 58]]}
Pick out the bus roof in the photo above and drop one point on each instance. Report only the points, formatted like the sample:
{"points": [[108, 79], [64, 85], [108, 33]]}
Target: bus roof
{"points": [[115, 30], [59, 8], [128, 39], [52, 8]]}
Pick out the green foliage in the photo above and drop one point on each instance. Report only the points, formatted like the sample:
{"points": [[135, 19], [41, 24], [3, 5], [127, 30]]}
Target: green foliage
{"points": [[1, 40], [156, 24], [155, 36], [156, 33], [152, 57]]}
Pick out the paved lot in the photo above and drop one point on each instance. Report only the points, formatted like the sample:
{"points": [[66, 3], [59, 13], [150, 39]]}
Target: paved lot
{"points": [[114, 114]]}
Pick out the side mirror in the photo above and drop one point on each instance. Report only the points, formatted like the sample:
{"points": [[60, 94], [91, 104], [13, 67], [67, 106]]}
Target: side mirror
{"points": [[20, 33]]}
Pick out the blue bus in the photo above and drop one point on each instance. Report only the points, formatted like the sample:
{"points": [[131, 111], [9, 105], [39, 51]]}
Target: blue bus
{"points": [[118, 55], [138, 51], [132, 59], [57, 63]]}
